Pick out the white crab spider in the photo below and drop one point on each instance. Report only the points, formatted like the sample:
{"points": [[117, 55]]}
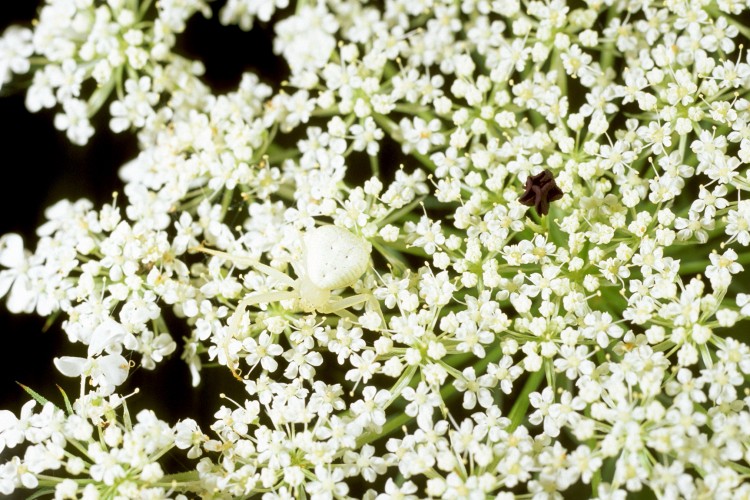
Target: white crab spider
{"points": [[332, 258]]}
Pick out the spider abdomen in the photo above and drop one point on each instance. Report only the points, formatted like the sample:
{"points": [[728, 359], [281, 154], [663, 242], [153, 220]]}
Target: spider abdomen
{"points": [[335, 257]]}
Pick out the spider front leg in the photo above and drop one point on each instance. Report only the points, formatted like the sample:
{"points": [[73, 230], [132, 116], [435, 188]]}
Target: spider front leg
{"points": [[340, 307], [267, 270], [346, 303], [235, 321], [257, 298]]}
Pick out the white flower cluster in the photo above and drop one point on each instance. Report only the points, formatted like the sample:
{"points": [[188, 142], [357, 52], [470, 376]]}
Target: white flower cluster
{"points": [[541, 291]]}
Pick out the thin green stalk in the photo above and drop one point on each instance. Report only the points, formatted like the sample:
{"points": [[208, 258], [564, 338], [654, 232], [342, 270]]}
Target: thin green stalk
{"points": [[395, 132], [446, 393], [698, 266], [738, 24], [398, 214], [393, 423], [608, 52], [101, 94], [225, 201], [518, 412], [374, 166], [143, 8], [401, 384], [181, 477], [596, 478]]}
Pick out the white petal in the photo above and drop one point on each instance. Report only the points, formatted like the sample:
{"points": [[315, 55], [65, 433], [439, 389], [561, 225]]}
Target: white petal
{"points": [[29, 480], [70, 366], [46, 304], [114, 368], [22, 297], [11, 250], [7, 419], [107, 333], [6, 280]]}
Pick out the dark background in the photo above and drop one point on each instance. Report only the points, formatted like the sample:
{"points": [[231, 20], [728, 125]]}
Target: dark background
{"points": [[43, 167]]}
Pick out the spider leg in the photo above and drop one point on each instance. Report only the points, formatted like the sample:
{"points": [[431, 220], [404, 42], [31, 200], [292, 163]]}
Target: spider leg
{"points": [[275, 273], [268, 270], [374, 305], [340, 306], [343, 313], [232, 258], [236, 319], [346, 303]]}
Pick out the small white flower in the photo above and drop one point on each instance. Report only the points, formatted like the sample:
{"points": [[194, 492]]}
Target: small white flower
{"points": [[15, 281], [74, 121], [108, 335], [421, 135], [13, 429], [722, 268], [107, 372], [15, 49]]}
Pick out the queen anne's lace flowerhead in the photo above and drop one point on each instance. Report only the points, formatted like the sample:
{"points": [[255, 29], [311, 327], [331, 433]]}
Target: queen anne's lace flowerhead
{"points": [[352, 241]]}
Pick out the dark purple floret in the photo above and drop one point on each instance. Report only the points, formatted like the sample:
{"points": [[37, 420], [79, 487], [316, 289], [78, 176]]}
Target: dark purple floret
{"points": [[540, 191]]}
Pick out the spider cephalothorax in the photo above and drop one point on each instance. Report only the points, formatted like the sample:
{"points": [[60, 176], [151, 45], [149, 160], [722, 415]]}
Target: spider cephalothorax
{"points": [[331, 258]]}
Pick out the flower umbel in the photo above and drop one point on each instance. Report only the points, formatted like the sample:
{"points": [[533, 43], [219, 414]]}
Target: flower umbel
{"points": [[343, 256]]}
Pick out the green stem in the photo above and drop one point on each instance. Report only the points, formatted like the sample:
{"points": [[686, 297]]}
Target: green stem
{"points": [[276, 154], [375, 166], [448, 391], [562, 77], [596, 478], [518, 412], [401, 384], [393, 423], [101, 94], [143, 8], [608, 52], [181, 477], [394, 258], [395, 132], [738, 24], [400, 212], [698, 266], [225, 201], [400, 246]]}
